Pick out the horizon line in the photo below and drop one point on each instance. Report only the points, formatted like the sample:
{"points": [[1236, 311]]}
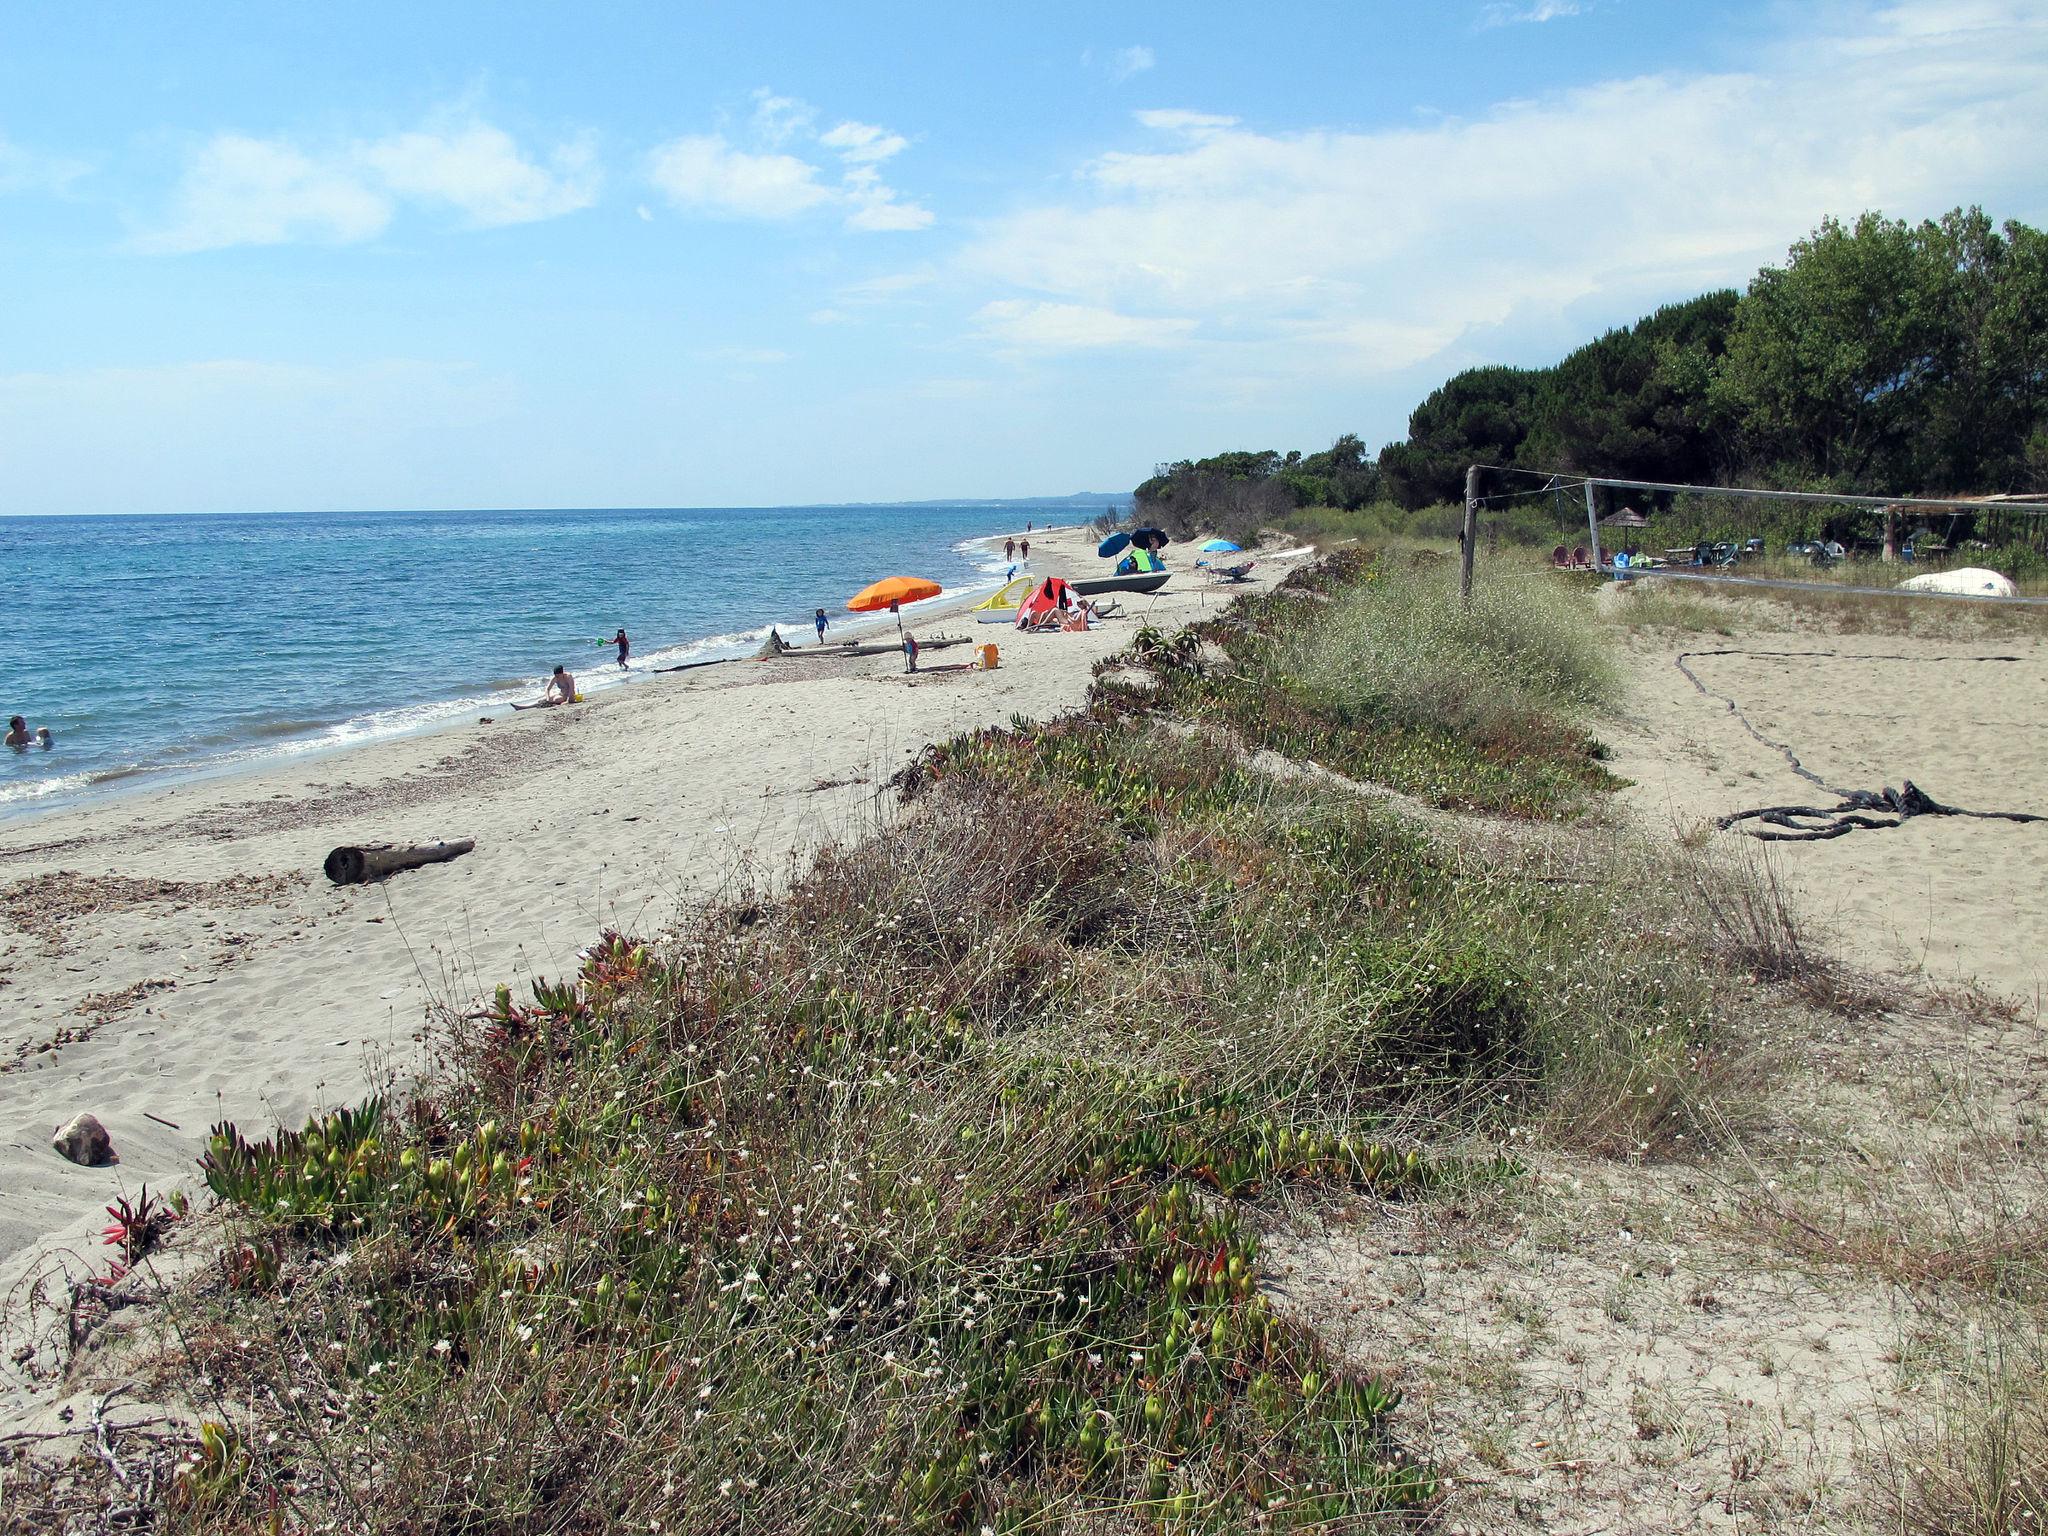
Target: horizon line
{"points": [[764, 506]]}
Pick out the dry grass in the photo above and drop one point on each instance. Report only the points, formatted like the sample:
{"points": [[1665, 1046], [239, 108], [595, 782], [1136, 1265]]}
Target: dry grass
{"points": [[1976, 1462]]}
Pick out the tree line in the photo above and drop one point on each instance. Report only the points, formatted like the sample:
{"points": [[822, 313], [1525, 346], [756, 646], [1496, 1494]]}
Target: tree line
{"points": [[1883, 357]]}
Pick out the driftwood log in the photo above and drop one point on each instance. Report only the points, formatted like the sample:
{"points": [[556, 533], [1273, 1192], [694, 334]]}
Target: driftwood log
{"points": [[358, 866]]}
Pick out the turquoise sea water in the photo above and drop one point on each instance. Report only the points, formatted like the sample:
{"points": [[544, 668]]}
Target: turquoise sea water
{"points": [[158, 645]]}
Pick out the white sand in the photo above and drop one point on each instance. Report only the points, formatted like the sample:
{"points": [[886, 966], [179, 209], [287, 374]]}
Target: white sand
{"points": [[255, 991], [1961, 900]]}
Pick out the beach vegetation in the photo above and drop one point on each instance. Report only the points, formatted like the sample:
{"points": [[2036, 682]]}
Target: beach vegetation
{"points": [[928, 1190]]}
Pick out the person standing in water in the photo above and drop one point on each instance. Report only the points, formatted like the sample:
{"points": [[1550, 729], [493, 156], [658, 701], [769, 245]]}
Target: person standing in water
{"points": [[624, 644], [820, 622], [1024, 549]]}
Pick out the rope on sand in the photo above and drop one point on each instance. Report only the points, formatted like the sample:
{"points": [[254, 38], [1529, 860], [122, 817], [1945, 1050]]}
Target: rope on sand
{"points": [[1816, 823]]}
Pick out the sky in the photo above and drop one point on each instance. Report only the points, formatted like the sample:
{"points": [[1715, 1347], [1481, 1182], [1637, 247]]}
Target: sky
{"points": [[363, 255]]}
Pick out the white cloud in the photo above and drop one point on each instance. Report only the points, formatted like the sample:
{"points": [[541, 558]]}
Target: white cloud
{"points": [[1175, 120], [1356, 252], [243, 191], [1067, 327], [709, 173], [778, 119], [1502, 14], [876, 207], [25, 170], [704, 172], [1126, 62], [863, 142], [481, 171], [238, 190]]}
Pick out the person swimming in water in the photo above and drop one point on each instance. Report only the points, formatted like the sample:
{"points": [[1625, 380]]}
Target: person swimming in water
{"points": [[21, 738]]}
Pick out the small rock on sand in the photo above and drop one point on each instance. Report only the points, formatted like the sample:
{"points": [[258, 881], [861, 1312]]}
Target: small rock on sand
{"points": [[85, 1141]]}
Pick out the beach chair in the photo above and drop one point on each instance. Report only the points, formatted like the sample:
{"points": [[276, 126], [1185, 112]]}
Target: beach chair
{"points": [[1232, 573]]}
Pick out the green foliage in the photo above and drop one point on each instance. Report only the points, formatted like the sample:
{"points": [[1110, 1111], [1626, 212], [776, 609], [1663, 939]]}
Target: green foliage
{"points": [[1883, 356], [1635, 403], [1888, 355], [1479, 416], [1240, 494]]}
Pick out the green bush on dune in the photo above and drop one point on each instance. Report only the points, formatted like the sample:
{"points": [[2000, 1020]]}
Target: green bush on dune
{"points": [[1404, 649]]}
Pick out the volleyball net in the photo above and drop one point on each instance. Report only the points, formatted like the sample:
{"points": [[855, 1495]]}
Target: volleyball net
{"points": [[1871, 544]]}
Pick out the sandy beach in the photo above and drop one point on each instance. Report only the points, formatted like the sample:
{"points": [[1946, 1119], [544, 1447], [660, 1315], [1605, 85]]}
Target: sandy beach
{"points": [[1963, 715], [174, 957]]}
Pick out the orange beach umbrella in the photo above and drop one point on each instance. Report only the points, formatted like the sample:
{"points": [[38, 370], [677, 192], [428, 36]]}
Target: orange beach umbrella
{"points": [[892, 589]]}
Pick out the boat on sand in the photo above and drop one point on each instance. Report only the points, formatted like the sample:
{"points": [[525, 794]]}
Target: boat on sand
{"points": [[1137, 581]]}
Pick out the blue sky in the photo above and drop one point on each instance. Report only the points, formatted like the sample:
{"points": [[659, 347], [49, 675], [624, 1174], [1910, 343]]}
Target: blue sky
{"points": [[368, 255]]}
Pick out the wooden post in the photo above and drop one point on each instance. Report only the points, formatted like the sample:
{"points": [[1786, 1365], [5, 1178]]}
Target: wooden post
{"points": [[1593, 524], [1468, 536]]}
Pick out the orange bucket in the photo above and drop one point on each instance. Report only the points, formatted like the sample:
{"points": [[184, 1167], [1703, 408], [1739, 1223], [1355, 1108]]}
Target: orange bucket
{"points": [[988, 658]]}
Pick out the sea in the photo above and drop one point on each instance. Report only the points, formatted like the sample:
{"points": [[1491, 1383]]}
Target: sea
{"points": [[164, 646]]}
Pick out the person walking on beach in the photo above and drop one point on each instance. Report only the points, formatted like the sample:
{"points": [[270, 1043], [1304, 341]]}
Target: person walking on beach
{"points": [[625, 646], [1009, 549], [820, 622], [1024, 549], [909, 651]]}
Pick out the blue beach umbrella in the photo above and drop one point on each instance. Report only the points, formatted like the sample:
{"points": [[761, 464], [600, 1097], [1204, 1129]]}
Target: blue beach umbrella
{"points": [[1222, 547], [1114, 544]]}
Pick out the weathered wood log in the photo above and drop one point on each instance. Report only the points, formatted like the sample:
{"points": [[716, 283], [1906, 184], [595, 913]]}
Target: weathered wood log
{"points": [[358, 866]]}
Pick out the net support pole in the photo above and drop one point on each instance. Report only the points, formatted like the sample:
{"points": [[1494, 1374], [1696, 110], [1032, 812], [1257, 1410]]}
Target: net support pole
{"points": [[1468, 536], [1593, 524]]}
